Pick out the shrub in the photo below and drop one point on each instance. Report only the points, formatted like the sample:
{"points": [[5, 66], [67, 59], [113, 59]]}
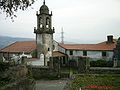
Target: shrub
{"points": [[101, 63], [3, 66], [4, 79]]}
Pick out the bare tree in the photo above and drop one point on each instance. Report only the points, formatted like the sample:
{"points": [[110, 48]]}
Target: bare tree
{"points": [[11, 6]]}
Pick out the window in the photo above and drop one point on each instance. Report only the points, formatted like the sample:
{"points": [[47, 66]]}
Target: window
{"points": [[71, 52], [41, 22], [48, 49], [84, 53], [47, 22], [40, 25], [47, 26], [104, 54]]}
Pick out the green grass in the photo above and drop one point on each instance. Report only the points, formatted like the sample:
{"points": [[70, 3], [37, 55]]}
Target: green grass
{"points": [[96, 80], [68, 70]]}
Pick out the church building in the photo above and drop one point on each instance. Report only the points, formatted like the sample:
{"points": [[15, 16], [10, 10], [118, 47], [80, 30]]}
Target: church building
{"points": [[45, 47], [44, 33]]}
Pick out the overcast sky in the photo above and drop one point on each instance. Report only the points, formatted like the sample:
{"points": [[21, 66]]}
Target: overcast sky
{"points": [[83, 21]]}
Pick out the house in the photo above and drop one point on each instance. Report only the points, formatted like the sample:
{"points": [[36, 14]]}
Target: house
{"points": [[103, 50], [17, 48]]}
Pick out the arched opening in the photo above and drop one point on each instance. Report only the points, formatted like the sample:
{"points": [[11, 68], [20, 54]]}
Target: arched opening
{"points": [[47, 22], [40, 22]]}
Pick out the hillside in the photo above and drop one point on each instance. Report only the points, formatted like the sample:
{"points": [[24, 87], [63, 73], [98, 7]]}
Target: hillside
{"points": [[6, 40]]}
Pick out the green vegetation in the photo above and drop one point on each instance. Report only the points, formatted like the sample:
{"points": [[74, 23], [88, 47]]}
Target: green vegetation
{"points": [[103, 80], [101, 63], [34, 54], [8, 73], [117, 50], [4, 79]]}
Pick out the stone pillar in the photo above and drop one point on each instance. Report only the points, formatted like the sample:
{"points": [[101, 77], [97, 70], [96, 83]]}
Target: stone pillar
{"points": [[23, 60], [41, 59], [81, 65], [51, 63], [87, 64], [59, 67], [115, 62]]}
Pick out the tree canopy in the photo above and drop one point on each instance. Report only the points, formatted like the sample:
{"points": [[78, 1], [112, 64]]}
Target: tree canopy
{"points": [[117, 50], [11, 6]]}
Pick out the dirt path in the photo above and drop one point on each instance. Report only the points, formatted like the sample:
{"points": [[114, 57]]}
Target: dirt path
{"points": [[50, 85]]}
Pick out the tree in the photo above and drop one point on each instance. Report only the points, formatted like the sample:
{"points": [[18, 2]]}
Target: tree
{"points": [[117, 50], [11, 6]]}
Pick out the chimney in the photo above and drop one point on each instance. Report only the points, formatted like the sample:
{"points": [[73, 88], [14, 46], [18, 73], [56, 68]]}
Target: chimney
{"points": [[110, 39]]}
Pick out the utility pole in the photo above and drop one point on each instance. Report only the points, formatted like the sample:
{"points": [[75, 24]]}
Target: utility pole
{"points": [[62, 36]]}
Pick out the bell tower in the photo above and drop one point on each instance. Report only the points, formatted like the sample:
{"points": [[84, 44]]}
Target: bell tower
{"points": [[44, 33]]}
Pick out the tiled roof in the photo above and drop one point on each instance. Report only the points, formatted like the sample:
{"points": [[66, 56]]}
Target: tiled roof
{"points": [[104, 46], [29, 46], [58, 54], [23, 46]]}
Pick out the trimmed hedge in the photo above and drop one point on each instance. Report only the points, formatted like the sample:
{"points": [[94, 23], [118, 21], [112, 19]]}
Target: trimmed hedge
{"points": [[101, 63]]}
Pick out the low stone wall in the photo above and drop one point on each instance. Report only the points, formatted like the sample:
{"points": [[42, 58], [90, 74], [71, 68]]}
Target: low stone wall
{"points": [[104, 70], [17, 78], [42, 72], [21, 84]]}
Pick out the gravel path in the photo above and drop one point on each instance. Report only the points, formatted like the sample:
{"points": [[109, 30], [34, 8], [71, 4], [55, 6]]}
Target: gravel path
{"points": [[50, 85]]}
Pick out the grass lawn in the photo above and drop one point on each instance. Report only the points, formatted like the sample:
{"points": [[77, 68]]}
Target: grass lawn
{"points": [[96, 82]]}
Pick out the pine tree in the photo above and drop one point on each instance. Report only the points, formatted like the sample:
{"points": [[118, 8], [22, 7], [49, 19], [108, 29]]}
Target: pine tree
{"points": [[117, 50]]}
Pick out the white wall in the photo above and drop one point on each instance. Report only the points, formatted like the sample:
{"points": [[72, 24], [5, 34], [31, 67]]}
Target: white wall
{"points": [[92, 54], [58, 47], [55, 45], [61, 49]]}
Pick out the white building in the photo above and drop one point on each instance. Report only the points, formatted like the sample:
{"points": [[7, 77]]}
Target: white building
{"points": [[103, 50]]}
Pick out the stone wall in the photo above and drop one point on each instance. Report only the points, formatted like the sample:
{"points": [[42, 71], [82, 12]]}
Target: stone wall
{"points": [[21, 84], [104, 70], [18, 78], [42, 72]]}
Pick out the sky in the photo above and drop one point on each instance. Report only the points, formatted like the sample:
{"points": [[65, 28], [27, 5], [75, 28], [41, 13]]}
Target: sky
{"points": [[83, 21]]}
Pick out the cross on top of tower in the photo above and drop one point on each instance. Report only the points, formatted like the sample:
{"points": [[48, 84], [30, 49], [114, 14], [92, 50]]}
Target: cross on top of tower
{"points": [[44, 2]]}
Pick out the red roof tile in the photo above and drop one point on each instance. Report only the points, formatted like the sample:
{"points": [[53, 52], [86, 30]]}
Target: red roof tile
{"points": [[23, 46], [58, 54], [29, 46], [104, 46]]}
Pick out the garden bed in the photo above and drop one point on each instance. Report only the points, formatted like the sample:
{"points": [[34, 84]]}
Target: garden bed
{"points": [[95, 82]]}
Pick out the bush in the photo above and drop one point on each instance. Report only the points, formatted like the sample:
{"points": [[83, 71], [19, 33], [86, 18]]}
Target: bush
{"points": [[101, 63], [4, 79], [3, 66], [73, 63]]}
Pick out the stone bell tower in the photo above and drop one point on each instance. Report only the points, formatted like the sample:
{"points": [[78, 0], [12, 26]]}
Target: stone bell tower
{"points": [[44, 33]]}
